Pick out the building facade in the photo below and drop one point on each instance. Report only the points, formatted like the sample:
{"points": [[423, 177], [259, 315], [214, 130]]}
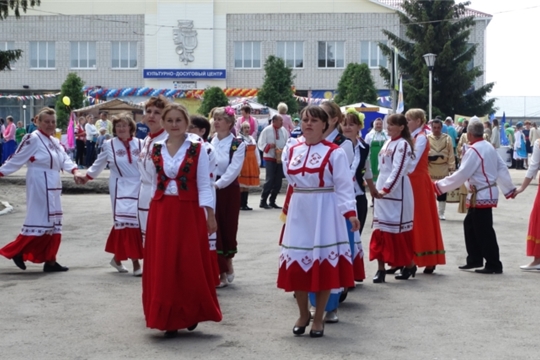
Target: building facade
{"points": [[193, 44]]}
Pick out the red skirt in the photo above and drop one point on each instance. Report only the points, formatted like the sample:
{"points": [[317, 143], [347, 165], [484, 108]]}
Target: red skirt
{"points": [[533, 234], [125, 243], [320, 277], [178, 280], [359, 269], [393, 249], [215, 266], [36, 249]]}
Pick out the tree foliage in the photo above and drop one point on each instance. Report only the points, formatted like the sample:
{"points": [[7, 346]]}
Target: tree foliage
{"points": [[277, 85], [356, 85], [213, 97], [439, 27], [14, 5], [72, 88]]}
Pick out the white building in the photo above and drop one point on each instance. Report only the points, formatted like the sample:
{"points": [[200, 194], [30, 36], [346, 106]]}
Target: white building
{"points": [[134, 48]]}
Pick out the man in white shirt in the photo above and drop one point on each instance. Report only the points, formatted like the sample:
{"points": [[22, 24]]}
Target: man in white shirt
{"points": [[271, 142], [104, 123]]}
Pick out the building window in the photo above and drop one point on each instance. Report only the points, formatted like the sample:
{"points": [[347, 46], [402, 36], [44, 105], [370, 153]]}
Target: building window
{"points": [[42, 55], [83, 55], [8, 45], [247, 54], [331, 54], [470, 64], [371, 54], [124, 54], [292, 53]]}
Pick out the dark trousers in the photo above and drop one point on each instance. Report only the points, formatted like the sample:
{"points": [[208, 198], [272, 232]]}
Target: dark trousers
{"points": [[441, 197], [480, 238], [272, 185], [90, 152], [361, 209], [227, 214], [80, 152]]}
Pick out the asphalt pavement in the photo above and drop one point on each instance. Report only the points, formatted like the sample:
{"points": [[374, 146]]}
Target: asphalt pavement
{"points": [[93, 312]]}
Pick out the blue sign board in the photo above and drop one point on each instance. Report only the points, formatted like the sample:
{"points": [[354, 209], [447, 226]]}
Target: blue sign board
{"points": [[184, 74]]}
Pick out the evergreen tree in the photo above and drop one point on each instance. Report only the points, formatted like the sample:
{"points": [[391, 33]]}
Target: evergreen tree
{"points": [[277, 85], [439, 27], [71, 88], [356, 85], [213, 97], [9, 56]]}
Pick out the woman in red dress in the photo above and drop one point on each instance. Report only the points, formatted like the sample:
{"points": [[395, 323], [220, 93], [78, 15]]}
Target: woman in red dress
{"points": [[427, 237], [178, 281], [533, 234]]}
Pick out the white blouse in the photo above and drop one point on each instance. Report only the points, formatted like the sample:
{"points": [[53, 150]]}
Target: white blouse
{"points": [[228, 172]]}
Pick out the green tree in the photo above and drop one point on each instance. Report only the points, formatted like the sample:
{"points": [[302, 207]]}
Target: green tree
{"points": [[277, 85], [439, 27], [9, 56], [356, 85], [71, 88], [213, 97]]}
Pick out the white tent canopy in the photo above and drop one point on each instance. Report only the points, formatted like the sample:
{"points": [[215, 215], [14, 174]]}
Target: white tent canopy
{"points": [[370, 107]]}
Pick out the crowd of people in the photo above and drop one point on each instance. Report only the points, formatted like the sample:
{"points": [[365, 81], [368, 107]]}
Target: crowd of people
{"points": [[199, 171]]}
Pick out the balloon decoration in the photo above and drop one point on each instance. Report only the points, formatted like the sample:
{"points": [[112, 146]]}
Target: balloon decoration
{"points": [[66, 100]]}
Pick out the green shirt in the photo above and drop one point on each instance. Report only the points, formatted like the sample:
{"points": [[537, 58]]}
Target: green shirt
{"points": [[19, 134]]}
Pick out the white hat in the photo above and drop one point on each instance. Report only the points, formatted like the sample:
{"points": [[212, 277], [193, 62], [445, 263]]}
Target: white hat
{"points": [[448, 118], [474, 119]]}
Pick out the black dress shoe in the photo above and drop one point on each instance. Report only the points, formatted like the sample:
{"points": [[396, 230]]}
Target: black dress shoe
{"points": [[274, 206], [245, 208], [265, 206], [18, 260], [343, 295], [300, 330], [171, 334], [54, 268], [470, 266], [488, 271], [394, 270], [193, 327], [379, 277], [406, 273], [316, 333], [429, 269]]}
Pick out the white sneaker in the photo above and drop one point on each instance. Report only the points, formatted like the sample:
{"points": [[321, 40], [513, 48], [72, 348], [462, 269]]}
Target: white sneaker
{"points": [[230, 278], [121, 268], [442, 217], [137, 273], [331, 317]]}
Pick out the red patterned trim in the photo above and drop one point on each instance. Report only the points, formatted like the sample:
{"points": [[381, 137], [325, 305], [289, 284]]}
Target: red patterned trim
{"points": [[114, 157], [484, 172], [398, 176], [89, 177], [1, 175], [267, 148], [436, 188], [152, 136], [269, 159], [73, 170], [349, 214], [510, 194]]}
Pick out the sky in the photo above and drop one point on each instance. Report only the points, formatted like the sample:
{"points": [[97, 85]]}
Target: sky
{"points": [[513, 48]]}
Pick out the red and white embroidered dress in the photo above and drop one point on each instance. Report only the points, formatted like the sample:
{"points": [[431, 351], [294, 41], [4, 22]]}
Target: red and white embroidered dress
{"points": [[148, 174], [125, 239], [484, 169], [40, 235], [391, 240], [315, 251]]}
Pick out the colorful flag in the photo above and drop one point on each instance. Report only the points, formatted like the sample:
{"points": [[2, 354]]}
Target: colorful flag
{"points": [[71, 131], [504, 139]]}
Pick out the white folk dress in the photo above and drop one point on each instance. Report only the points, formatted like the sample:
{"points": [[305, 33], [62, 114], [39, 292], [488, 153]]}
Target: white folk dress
{"points": [[125, 239], [315, 251], [44, 158], [391, 240], [148, 175]]}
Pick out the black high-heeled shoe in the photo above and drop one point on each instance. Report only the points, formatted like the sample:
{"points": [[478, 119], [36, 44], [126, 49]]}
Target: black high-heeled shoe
{"points": [[406, 273], [300, 330], [394, 270], [429, 270], [379, 277], [171, 334], [316, 333], [193, 327]]}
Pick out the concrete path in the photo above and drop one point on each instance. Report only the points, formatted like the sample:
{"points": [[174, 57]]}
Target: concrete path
{"points": [[93, 312]]}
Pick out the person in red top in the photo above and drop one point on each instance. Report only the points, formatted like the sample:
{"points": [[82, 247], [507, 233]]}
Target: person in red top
{"points": [[178, 282], [427, 238], [10, 145], [80, 141], [44, 158], [246, 117]]}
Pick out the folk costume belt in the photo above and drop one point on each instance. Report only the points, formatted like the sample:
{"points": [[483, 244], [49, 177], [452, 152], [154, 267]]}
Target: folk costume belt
{"points": [[474, 192], [314, 190]]}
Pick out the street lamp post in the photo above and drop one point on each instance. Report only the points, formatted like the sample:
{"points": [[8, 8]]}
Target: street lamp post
{"points": [[430, 62], [24, 115]]}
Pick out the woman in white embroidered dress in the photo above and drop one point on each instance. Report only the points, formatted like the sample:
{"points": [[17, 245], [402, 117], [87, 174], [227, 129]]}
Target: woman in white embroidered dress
{"points": [[44, 157], [153, 109], [315, 251], [391, 240], [121, 154]]}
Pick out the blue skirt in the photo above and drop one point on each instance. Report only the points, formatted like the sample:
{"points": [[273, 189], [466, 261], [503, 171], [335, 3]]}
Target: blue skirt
{"points": [[9, 148]]}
